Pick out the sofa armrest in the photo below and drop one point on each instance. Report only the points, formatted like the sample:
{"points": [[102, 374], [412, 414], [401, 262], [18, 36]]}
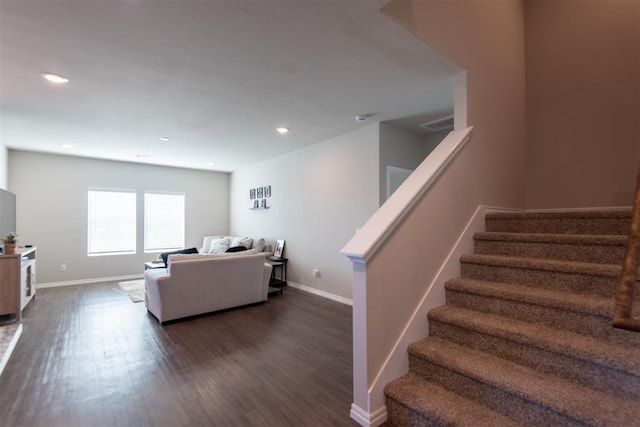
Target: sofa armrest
{"points": [[152, 299]]}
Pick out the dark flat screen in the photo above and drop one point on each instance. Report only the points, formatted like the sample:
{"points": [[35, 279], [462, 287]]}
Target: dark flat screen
{"points": [[7, 213]]}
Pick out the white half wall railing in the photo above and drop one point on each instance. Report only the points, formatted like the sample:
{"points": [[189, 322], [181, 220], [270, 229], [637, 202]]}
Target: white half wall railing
{"points": [[368, 407]]}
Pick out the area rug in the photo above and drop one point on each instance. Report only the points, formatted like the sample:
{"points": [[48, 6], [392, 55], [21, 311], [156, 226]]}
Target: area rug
{"points": [[133, 288]]}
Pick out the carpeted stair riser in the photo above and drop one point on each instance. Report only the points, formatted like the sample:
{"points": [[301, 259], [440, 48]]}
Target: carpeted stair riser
{"points": [[615, 382], [603, 283], [604, 222], [596, 324], [522, 393], [605, 249], [493, 397], [412, 401], [404, 416]]}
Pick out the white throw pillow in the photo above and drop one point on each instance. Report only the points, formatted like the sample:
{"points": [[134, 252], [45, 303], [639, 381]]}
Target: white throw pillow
{"points": [[241, 241], [206, 244], [219, 246]]}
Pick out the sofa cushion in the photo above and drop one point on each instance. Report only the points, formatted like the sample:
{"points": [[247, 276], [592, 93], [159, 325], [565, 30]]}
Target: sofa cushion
{"points": [[165, 255], [219, 246]]}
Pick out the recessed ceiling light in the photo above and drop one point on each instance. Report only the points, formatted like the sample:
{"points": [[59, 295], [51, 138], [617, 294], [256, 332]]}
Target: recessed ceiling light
{"points": [[164, 138], [65, 145], [282, 130], [210, 164], [54, 78], [142, 156]]}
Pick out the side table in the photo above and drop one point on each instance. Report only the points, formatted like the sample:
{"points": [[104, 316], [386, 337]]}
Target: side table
{"points": [[277, 282], [148, 265]]}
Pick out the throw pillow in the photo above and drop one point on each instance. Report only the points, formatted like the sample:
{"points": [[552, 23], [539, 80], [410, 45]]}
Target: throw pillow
{"points": [[165, 255], [258, 245], [241, 241], [206, 243], [219, 246], [236, 249]]}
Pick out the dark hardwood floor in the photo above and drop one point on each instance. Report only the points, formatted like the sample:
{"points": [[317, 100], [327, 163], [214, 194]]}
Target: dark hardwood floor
{"points": [[88, 356]]}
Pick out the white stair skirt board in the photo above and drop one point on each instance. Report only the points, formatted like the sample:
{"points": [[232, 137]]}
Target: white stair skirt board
{"points": [[396, 363]]}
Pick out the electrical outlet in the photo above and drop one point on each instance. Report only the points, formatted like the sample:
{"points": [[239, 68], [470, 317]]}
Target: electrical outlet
{"points": [[316, 273], [63, 267]]}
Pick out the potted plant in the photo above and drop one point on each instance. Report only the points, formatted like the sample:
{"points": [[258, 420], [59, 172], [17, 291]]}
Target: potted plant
{"points": [[10, 242]]}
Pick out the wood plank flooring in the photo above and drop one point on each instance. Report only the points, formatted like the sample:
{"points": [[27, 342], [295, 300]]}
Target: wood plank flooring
{"points": [[88, 356]]}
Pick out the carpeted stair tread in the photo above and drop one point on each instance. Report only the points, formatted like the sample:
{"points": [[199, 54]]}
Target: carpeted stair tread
{"points": [[578, 239], [566, 343], [580, 303], [608, 249], [442, 406], [610, 221], [587, 314], [583, 404], [572, 267]]}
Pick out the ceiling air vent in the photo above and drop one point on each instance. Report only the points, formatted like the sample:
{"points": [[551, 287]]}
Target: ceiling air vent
{"points": [[439, 124]]}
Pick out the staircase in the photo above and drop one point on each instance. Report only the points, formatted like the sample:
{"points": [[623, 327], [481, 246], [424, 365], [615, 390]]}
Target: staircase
{"points": [[525, 337]]}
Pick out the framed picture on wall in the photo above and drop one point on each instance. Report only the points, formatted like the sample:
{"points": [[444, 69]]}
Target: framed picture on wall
{"points": [[278, 250]]}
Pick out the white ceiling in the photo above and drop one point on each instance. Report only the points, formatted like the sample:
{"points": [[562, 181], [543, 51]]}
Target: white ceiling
{"points": [[217, 77]]}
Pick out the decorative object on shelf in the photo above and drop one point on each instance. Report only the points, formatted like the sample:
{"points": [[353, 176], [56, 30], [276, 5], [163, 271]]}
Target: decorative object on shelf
{"points": [[279, 249], [10, 242], [258, 196]]}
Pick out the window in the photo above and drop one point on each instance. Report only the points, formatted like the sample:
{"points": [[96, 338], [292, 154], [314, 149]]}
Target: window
{"points": [[111, 222], [163, 222]]}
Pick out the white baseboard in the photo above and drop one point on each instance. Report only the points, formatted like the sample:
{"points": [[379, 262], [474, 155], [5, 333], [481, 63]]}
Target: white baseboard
{"points": [[366, 419], [12, 345], [88, 281], [324, 294]]}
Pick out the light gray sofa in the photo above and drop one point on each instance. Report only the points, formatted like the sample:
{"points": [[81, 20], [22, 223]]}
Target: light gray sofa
{"points": [[197, 284]]}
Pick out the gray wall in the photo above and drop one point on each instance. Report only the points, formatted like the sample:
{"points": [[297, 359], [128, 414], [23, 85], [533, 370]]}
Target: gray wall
{"points": [[403, 149], [51, 200], [398, 148], [320, 195]]}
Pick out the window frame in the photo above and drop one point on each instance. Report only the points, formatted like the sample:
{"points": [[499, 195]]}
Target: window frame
{"points": [[131, 218]]}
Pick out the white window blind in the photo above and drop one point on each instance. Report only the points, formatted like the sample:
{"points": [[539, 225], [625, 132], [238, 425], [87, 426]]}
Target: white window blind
{"points": [[111, 222], [163, 222]]}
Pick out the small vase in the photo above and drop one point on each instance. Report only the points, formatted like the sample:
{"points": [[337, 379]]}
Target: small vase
{"points": [[9, 248]]}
